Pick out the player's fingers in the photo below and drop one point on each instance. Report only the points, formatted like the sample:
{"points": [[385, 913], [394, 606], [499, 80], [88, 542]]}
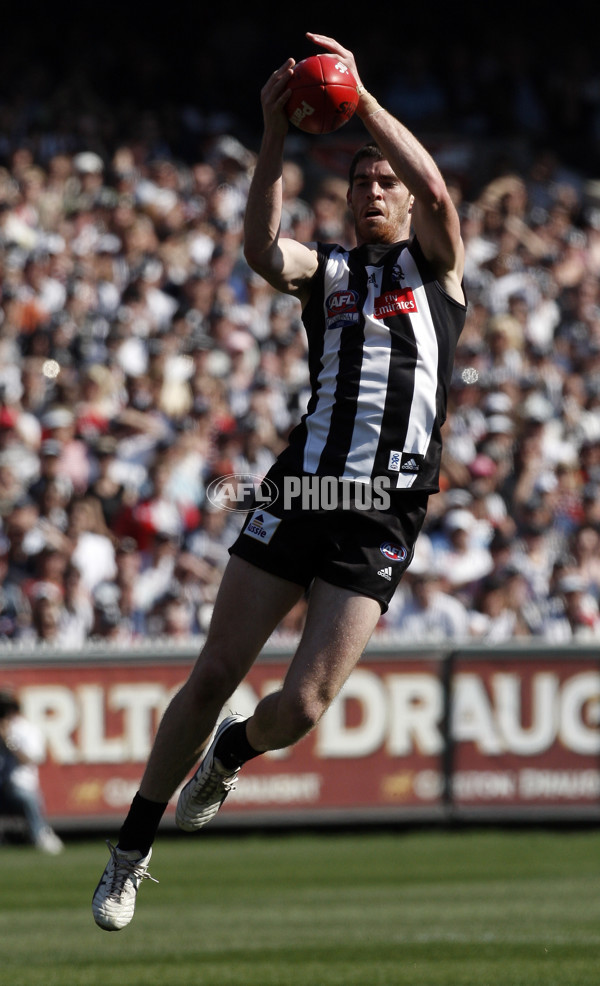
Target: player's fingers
{"points": [[284, 70], [327, 42], [279, 80]]}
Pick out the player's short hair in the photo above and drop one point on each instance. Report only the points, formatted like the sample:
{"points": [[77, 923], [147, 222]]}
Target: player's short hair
{"points": [[370, 150]]}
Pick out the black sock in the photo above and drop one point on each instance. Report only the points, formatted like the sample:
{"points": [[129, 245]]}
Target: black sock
{"points": [[140, 827], [233, 748]]}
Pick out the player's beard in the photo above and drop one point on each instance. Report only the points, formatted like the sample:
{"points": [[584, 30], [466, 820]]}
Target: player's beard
{"points": [[391, 228]]}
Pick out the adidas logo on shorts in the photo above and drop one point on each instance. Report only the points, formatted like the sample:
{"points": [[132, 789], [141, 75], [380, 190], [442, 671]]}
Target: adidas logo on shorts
{"points": [[386, 573]]}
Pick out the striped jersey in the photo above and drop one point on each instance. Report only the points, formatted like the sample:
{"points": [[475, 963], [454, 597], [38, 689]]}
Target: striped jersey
{"points": [[382, 334]]}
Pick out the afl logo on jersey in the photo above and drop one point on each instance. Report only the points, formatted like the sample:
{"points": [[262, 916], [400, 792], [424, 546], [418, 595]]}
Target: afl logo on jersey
{"points": [[393, 552], [341, 309]]}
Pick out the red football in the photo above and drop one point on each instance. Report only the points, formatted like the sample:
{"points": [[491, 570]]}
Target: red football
{"points": [[323, 96]]}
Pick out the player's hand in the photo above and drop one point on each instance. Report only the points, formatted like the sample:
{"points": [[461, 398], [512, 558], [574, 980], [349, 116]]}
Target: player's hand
{"points": [[274, 95], [344, 54]]}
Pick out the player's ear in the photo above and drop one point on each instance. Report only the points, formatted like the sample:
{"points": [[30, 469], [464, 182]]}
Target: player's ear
{"points": [[411, 202]]}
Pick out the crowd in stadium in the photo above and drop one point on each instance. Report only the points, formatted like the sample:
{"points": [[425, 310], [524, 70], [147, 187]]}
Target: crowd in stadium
{"points": [[140, 358]]}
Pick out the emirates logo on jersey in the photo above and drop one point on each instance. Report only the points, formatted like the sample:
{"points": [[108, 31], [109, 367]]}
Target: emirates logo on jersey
{"points": [[395, 303]]}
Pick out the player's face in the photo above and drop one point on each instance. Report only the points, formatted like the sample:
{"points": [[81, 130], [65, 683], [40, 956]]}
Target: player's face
{"points": [[380, 203]]}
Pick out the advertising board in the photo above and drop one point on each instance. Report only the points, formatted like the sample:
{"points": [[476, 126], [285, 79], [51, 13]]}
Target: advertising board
{"points": [[426, 736]]}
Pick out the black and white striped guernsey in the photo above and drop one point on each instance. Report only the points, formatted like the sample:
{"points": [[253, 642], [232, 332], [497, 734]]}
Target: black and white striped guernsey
{"points": [[382, 335]]}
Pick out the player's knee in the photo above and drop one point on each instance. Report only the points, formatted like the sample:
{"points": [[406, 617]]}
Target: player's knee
{"points": [[215, 677], [299, 714]]}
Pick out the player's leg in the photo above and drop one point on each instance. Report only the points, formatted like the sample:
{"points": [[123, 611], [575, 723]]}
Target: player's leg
{"points": [[338, 626], [249, 605]]}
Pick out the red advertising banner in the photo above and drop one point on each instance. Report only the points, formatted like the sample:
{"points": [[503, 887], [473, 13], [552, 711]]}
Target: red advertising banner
{"points": [[525, 733], [520, 734]]}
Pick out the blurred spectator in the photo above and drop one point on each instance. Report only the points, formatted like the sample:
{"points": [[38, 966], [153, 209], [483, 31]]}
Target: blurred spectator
{"points": [[157, 573], [497, 614], [93, 545], [421, 611], [577, 618], [460, 559], [21, 750], [424, 613], [15, 608], [46, 608], [76, 616]]}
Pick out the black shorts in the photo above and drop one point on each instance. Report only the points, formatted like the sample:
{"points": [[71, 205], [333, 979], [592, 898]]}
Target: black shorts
{"points": [[364, 548]]}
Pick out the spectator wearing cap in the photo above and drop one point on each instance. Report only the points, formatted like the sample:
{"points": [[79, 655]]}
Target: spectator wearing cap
{"points": [[460, 560], [578, 619], [488, 504], [59, 424], [48, 574], [89, 172], [158, 570], [118, 596], [51, 473], [424, 612], [499, 437], [107, 487], [108, 622]]}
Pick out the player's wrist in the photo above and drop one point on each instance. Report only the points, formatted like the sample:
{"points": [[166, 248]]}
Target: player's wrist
{"points": [[367, 104]]}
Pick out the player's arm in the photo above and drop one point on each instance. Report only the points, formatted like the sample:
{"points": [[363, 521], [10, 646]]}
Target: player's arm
{"points": [[434, 217], [286, 264]]}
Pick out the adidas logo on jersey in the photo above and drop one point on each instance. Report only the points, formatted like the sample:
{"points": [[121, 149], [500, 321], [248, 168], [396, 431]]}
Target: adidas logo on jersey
{"points": [[404, 461], [386, 573]]}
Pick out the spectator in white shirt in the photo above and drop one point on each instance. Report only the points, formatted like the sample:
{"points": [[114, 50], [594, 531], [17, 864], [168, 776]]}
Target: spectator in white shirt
{"points": [[21, 750]]}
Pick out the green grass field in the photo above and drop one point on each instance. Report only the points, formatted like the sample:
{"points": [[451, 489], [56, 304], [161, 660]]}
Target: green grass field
{"points": [[465, 908]]}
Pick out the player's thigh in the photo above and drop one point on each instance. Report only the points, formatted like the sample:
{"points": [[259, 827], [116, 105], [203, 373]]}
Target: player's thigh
{"points": [[339, 623], [249, 606]]}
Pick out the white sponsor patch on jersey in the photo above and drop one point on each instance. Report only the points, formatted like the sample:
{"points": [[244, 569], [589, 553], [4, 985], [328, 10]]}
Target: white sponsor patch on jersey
{"points": [[394, 461], [262, 526]]}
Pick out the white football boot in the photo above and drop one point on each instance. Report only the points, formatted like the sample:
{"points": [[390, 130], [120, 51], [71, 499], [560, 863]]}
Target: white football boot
{"points": [[202, 797], [113, 902]]}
